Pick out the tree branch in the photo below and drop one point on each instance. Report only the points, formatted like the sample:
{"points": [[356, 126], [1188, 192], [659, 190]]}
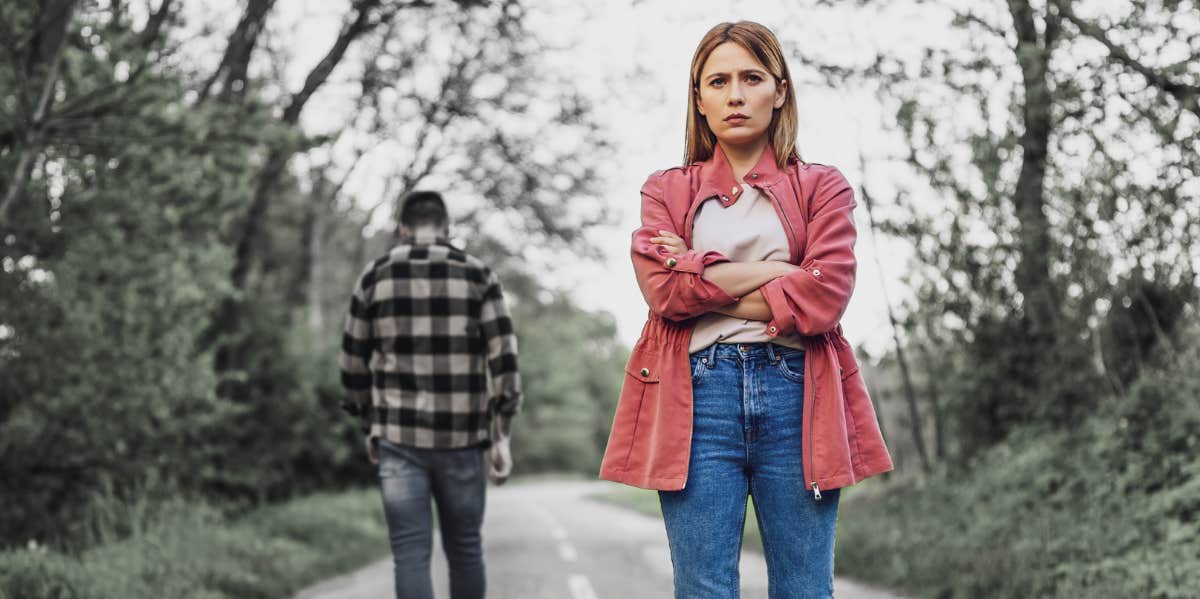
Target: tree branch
{"points": [[236, 60], [154, 26], [61, 19], [1188, 96]]}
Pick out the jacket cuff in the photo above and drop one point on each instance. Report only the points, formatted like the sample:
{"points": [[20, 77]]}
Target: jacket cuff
{"points": [[693, 261], [782, 322], [501, 427]]}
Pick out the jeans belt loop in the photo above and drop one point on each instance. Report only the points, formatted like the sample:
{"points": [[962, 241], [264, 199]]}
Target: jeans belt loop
{"points": [[771, 352]]}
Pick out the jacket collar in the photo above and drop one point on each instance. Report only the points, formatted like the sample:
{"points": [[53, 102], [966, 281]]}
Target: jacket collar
{"points": [[716, 176]]}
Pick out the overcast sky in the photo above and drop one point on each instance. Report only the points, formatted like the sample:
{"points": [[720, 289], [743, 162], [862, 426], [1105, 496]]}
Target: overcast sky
{"points": [[631, 58]]}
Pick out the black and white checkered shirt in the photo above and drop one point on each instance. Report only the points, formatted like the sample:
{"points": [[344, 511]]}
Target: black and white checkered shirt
{"points": [[427, 322]]}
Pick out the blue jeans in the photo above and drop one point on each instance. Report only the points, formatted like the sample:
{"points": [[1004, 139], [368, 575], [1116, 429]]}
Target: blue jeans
{"points": [[748, 406], [456, 480]]}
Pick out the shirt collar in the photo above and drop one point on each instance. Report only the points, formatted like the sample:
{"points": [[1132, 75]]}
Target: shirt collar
{"points": [[716, 176], [423, 237]]}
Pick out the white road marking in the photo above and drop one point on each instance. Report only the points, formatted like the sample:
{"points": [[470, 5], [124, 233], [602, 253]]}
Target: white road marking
{"points": [[567, 552], [580, 587]]}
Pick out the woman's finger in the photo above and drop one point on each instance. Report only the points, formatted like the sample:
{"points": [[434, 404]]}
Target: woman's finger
{"points": [[667, 240]]}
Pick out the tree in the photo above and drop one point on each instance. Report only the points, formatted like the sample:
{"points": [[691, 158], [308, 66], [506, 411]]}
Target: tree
{"points": [[1062, 175], [109, 261]]}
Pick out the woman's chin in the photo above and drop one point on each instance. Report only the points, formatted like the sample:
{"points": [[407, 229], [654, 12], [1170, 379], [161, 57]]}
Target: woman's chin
{"points": [[740, 136]]}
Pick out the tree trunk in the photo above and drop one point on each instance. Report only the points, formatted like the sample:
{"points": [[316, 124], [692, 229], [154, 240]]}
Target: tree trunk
{"points": [[910, 395], [235, 63], [935, 404], [154, 26], [53, 20], [1033, 269], [316, 320], [228, 320], [45, 56]]}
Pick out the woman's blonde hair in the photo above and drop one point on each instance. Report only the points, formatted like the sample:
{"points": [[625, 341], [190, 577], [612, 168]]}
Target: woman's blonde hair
{"points": [[760, 42]]}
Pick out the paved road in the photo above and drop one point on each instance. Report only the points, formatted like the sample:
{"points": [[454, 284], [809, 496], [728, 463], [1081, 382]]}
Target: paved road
{"points": [[548, 540]]}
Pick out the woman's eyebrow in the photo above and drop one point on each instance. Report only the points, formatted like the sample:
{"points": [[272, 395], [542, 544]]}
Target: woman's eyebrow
{"points": [[742, 71]]}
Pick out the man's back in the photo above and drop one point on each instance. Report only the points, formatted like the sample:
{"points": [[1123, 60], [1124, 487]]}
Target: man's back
{"points": [[427, 321]]}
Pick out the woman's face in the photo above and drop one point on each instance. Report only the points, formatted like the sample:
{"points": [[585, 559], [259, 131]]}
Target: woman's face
{"points": [[737, 95]]}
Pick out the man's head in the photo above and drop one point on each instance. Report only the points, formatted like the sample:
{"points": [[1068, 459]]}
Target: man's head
{"points": [[425, 212]]}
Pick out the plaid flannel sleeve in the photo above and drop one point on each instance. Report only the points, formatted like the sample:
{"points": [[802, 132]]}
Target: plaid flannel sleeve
{"points": [[501, 339], [356, 356]]}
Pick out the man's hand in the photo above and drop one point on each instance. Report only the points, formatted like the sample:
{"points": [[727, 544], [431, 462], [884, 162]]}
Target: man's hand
{"points": [[671, 241], [499, 462], [372, 450]]}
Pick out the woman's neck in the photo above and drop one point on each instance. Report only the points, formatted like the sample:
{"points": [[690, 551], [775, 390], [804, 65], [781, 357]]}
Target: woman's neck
{"points": [[743, 157]]}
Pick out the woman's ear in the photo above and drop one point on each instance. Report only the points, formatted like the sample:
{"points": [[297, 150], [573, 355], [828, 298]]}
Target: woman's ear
{"points": [[699, 106], [780, 93]]}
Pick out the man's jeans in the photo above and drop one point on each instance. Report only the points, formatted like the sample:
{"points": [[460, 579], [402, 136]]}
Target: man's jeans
{"points": [[746, 440], [456, 479]]}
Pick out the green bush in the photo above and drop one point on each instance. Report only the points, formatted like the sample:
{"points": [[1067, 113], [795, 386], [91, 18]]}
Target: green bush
{"points": [[1106, 509], [191, 551]]}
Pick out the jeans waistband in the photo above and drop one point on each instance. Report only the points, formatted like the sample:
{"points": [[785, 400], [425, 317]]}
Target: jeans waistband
{"points": [[763, 349]]}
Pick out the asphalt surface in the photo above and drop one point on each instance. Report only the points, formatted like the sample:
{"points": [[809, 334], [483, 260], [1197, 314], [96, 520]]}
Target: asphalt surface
{"points": [[549, 540]]}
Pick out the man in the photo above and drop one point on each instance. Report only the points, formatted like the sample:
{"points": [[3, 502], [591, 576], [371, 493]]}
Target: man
{"points": [[427, 321]]}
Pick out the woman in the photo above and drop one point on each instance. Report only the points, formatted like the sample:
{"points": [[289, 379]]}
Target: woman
{"points": [[742, 383]]}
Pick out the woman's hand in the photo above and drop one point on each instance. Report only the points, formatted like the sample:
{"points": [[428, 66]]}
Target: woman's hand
{"points": [[671, 241], [752, 306]]}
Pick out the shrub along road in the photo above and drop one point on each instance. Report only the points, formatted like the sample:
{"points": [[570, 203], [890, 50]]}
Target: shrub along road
{"points": [[550, 539]]}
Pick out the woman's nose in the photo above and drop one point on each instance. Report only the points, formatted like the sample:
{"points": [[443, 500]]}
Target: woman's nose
{"points": [[736, 97], [735, 94]]}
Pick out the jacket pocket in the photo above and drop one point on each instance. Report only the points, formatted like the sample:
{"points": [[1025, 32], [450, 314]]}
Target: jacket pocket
{"points": [[643, 365], [641, 382]]}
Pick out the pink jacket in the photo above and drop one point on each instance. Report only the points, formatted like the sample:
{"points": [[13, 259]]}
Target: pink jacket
{"points": [[651, 433]]}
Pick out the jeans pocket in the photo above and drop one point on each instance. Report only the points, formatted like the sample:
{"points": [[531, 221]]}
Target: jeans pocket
{"points": [[465, 465], [397, 461], [791, 366]]}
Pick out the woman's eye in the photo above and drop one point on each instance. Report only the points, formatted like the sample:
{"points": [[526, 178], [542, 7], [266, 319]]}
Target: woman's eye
{"points": [[717, 82], [752, 78]]}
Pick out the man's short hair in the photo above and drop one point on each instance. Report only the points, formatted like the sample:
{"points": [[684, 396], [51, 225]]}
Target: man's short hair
{"points": [[424, 209]]}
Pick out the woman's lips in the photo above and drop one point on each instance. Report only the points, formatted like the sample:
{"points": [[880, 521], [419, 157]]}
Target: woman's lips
{"points": [[736, 119]]}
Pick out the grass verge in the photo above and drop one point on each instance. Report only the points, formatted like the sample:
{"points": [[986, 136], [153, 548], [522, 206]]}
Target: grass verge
{"points": [[191, 551]]}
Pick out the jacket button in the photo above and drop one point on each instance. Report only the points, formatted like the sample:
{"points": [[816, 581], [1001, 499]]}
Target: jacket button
{"points": [[816, 272], [645, 372], [671, 262], [754, 176], [773, 330], [733, 190]]}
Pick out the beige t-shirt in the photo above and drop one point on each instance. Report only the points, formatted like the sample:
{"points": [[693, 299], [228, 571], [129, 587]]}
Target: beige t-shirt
{"points": [[747, 230]]}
